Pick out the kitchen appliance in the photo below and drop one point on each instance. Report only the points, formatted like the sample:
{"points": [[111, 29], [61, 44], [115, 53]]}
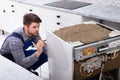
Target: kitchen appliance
{"points": [[68, 4], [64, 48]]}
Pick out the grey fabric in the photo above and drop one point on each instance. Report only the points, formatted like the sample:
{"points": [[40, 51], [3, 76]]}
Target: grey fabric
{"points": [[14, 45]]}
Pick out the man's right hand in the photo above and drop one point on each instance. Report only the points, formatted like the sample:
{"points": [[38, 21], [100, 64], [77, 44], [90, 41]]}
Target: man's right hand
{"points": [[39, 46]]}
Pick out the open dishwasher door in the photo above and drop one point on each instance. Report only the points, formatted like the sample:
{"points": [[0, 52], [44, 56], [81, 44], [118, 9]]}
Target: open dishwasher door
{"points": [[78, 43]]}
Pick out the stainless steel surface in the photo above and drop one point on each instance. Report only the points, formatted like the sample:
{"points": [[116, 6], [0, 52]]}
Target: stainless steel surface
{"points": [[67, 4]]}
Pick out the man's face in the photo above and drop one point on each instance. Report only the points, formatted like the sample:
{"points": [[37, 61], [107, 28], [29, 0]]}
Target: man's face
{"points": [[33, 29]]}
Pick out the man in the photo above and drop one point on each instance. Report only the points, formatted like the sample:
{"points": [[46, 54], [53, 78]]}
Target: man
{"points": [[24, 46]]}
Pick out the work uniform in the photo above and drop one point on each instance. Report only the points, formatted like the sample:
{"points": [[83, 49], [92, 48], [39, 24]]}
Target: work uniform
{"points": [[20, 48]]}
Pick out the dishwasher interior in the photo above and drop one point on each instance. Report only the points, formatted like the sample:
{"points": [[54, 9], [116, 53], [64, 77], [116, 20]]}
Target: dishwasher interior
{"points": [[89, 44]]}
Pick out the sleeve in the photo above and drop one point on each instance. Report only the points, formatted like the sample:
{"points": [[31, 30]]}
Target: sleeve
{"points": [[16, 47]]}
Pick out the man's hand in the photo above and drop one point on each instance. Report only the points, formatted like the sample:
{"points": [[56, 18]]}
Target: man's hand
{"points": [[39, 46]]}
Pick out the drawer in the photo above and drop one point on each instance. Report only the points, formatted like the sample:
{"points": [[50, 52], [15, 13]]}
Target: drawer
{"points": [[60, 18]]}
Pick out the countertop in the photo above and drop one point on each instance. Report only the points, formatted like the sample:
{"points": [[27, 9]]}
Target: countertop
{"points": [[109, 13], [12, 71]]}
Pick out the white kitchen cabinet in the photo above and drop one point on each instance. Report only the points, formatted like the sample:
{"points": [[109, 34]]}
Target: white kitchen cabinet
{"points": [[12, 13], [54, 19], [60, 19], [9, 17]]}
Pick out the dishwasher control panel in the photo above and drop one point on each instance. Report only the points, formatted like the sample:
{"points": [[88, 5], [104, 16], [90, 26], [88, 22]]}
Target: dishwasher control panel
{"points": [[97, 48]]}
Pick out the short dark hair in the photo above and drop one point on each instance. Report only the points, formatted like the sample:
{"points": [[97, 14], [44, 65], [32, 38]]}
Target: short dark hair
{"points": [[31, 17]]}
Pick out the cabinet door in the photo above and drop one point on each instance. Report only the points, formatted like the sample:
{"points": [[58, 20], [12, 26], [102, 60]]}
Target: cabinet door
{"points": [[3, 9], [50, 16], [27, 8], [68, 19], [11, 16], [60, 19]]}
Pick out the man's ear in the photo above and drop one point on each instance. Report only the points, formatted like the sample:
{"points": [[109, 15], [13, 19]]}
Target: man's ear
{"points": [[25, 27]]}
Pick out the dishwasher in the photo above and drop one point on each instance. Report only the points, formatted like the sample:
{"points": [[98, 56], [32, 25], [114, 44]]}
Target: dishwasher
{"points": [[89, 44]]}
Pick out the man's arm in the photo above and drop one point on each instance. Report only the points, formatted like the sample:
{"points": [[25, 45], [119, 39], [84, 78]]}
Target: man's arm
{"points": [[39, 46], [16, 46]]}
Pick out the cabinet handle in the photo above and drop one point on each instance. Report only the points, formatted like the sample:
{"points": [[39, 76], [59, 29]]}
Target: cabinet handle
{"points": [[58, 23], [30, 10], [12, 5], [3, 32], [58, 16], [13, 10], [4, 11]]}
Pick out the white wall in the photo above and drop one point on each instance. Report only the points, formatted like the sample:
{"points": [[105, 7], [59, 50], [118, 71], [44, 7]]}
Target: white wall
{"points": [[103, 2]]}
